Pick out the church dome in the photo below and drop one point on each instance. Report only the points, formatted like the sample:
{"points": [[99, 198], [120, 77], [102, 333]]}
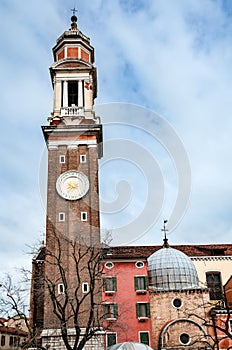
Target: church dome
{"points": [[170, 269]]}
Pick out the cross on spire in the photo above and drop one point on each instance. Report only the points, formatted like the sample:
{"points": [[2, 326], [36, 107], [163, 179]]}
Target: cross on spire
{"points": [[74, 19], [74, 11], [165, 230]]}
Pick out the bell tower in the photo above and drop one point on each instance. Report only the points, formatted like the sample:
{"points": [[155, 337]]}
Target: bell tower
{"points": [[74, 141], [74, 79]]}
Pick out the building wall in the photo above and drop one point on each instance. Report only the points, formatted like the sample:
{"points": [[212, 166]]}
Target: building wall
{"points": [[54, 339], [127, 325], [37, 296], [60, 234], [224, 343], [213, 263], [187, 317], [228, 292], [10, 340]]}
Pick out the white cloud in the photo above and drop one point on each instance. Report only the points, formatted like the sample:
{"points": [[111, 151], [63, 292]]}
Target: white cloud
{"points": [[171, 56], [181, 55]]}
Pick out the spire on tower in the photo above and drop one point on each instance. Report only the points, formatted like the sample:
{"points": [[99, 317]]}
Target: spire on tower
{"points": [[74, 19], [165, 230]]}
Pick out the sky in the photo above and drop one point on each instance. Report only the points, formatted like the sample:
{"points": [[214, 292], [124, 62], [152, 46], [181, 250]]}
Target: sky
{"points": [[162, 65]]}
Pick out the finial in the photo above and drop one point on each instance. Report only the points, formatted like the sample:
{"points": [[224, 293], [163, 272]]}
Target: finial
{"points": [[74, 19], [73, 11], [165, 230]]}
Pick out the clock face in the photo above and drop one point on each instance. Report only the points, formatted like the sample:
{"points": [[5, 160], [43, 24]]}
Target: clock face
{"points": [[72, 185]]}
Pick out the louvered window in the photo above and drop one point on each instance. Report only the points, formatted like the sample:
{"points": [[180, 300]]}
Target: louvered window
{"points": [[142, 310], [111, 311], [141, 283], [110, 284]]}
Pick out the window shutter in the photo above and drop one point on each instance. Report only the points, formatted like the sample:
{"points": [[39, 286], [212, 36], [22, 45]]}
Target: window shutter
{"points": [[146, 283], [104, 284], [137, 310], [114, 284], [136, 283], [105, 311], [148, 309], [116, 310]]}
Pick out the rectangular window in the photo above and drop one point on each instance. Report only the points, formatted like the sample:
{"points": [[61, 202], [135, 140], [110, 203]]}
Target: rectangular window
{"points": [[142, 310], [83, 216], [15, 341], [141, 283], [82, 158], [109, 284], [61, 216], [11, 341], [62, 159], [144, 337], [213, 280], [111, 339], [60, 288], [85, 287], [3, 340], [72, 93], [111, 311]]}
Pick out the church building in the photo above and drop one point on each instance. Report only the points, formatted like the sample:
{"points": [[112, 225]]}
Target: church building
{"points": [[88, 295], [164, 296]]}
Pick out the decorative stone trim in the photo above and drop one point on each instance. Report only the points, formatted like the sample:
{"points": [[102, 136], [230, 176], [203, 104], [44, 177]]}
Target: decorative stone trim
{"points": [[211, 258], [197, 290], [70, 143], [52, 147]]}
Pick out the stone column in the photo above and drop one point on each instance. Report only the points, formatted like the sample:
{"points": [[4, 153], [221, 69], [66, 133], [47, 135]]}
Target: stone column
{"points": [[57, 95], [65, 94], [80, 93]]}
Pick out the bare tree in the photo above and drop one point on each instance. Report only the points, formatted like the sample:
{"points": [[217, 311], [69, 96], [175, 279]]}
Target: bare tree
{"points": [[76, 304], [14, 303], [217, 321]]}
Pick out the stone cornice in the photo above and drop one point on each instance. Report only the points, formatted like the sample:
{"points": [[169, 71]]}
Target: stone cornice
{"points": [[211, 258], [186, 291]]}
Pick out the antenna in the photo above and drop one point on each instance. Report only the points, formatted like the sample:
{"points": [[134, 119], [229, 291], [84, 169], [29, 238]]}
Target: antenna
{"points": [[165, 230]]}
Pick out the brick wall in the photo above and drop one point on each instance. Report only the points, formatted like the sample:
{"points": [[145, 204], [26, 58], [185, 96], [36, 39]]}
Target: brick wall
{"points": [[186, 318]]}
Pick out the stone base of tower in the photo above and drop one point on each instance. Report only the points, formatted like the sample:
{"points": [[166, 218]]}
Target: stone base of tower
{"points": [[52, 340]]}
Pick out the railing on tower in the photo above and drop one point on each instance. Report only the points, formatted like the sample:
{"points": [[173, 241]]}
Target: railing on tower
{"points": [[72, 111]]}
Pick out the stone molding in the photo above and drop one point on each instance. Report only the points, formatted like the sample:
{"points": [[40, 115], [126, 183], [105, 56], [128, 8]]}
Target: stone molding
{"points": [[211, 258]]}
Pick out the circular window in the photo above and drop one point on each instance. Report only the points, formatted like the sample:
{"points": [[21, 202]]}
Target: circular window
{"points": [[139, 264], [184, 339], [109, 265], [177, 302]]}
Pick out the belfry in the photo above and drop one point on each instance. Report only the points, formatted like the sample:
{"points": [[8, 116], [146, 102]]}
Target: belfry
{"points": [[71, 295]]}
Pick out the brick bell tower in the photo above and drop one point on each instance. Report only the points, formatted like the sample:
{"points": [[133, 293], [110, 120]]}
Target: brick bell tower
{"points": [[74, 141]]}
